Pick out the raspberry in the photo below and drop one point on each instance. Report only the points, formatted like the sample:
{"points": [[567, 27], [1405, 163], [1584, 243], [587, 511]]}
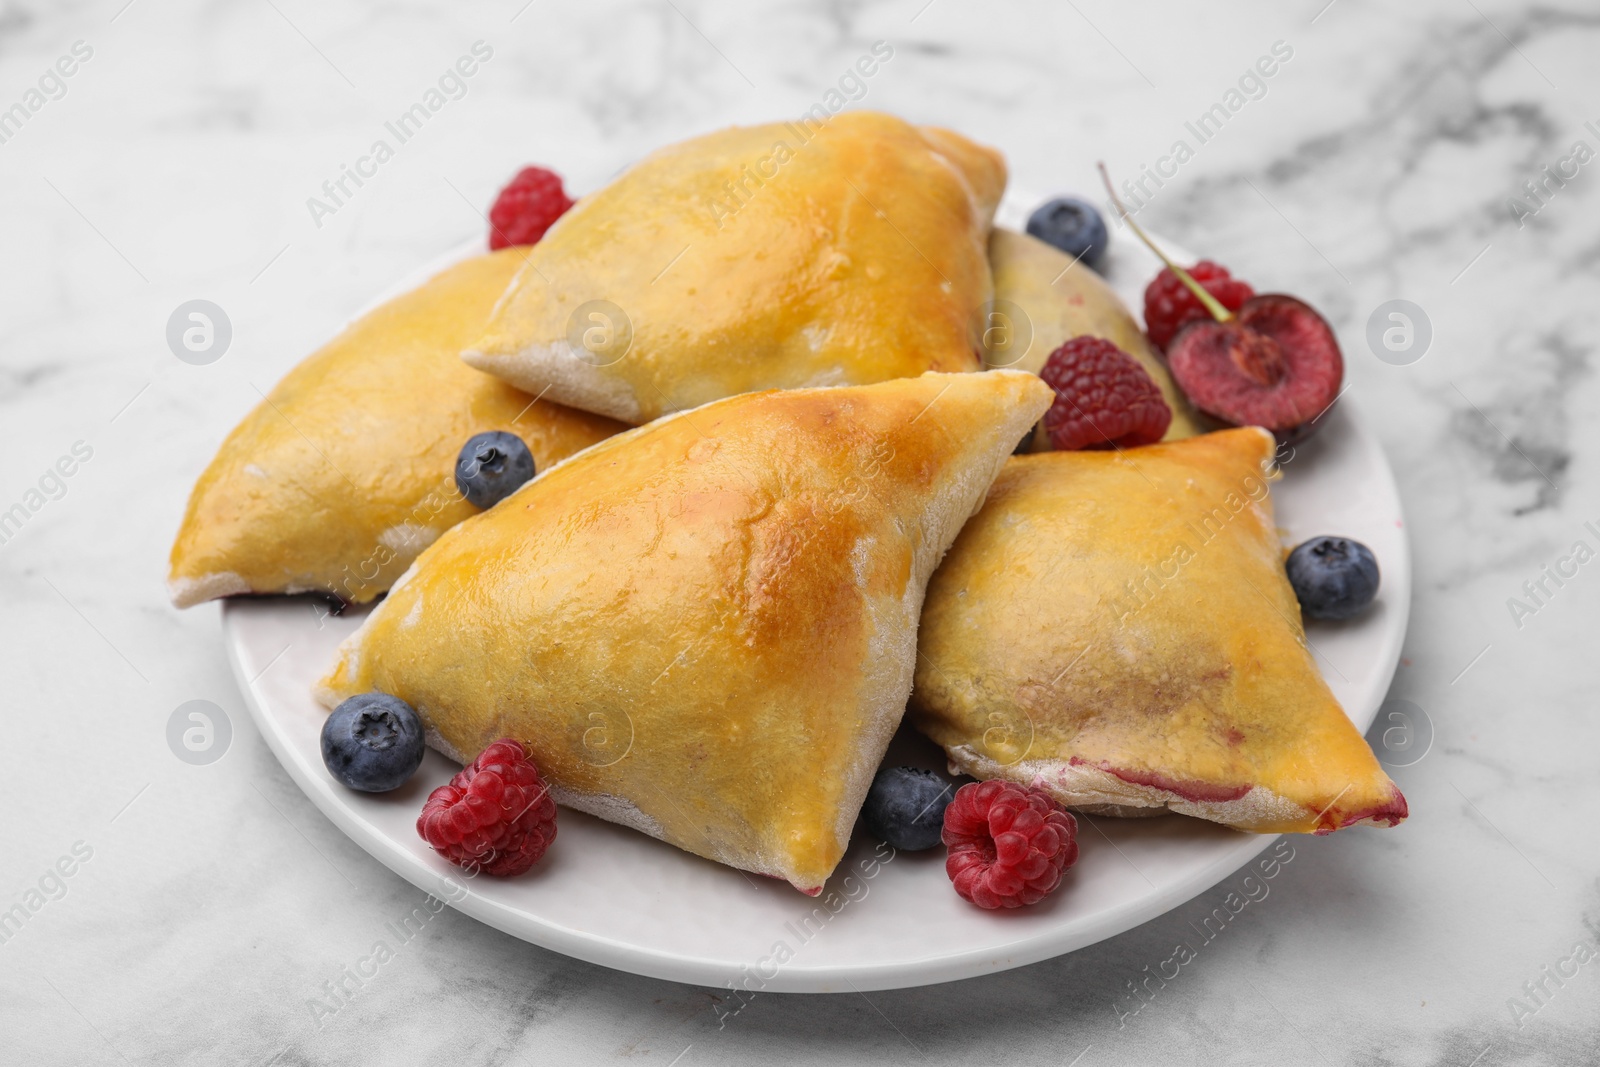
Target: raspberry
{"points": [[527, 207], [1008, 845], [496, 815], [1169, 306], [1103, 398]]}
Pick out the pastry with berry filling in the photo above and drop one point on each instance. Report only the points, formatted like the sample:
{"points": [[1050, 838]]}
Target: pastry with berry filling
{"points": [[1116, 629], [704, 628], [346, 469], [779, 256]]}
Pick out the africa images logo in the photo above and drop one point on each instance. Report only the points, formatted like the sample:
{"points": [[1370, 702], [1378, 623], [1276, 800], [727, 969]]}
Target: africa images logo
{"points": [[451, 85], [52, 485], [52, 885], [52, 86], [852, 85]]}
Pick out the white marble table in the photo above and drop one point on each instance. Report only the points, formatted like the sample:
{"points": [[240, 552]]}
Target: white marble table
{"points": [[207, 905]]}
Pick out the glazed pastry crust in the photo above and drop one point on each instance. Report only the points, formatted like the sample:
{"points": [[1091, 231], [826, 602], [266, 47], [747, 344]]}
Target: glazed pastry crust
{"points": [[1061, 301], [1117, 628], [755, 258], [704, 628], [346, 470]]}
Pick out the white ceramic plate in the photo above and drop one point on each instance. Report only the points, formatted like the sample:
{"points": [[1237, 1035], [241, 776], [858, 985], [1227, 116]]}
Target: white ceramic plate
{"points": [[615, 897]]}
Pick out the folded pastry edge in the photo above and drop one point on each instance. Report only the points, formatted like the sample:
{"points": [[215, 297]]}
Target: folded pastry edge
{"points": [[557, 371], [186, 592], [1255, 809]]}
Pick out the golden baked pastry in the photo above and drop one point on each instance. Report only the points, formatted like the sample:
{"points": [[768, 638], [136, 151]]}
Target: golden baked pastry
{"points": [[1118, 630], [346, 470], [1057, 305], [753, 258], [704, 628]]}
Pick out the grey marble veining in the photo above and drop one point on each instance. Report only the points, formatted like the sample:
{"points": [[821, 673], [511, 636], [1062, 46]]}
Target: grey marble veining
{"points": [[1380, 162]]}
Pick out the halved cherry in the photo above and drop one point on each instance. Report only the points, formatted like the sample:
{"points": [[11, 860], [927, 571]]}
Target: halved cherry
{"points": [[1275, 363]]}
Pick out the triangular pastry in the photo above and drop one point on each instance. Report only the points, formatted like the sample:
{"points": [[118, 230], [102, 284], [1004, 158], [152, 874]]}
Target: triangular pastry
{"points": [[1061, 300], [345, 471], [1118, 630], [761, 257], [704, 628]]}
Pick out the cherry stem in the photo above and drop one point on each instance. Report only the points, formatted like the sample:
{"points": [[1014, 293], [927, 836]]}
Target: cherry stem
{"points": [[1211, 303]]}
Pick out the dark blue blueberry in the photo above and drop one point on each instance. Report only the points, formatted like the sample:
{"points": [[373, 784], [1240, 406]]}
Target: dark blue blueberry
{"points": [[372, 742], [491, 467], [1072, 225], [1334, 577], [905, 807]]}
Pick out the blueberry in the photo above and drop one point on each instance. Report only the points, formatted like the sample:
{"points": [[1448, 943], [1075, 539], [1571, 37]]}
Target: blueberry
{"points": [[905, 807], [491, 467], [1334, 577], [372, 742], [1072, 225]]}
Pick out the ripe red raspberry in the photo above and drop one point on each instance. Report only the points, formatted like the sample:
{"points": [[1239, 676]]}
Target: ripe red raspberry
{"points": [[1169, 306], [1008, 845], [1103, 398], [496, 815], [527, 207]]}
